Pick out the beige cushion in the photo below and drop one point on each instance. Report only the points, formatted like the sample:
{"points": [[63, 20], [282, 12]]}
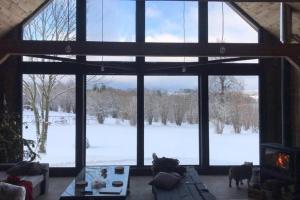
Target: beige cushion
{"points": [[165, 181], [11, 192]]}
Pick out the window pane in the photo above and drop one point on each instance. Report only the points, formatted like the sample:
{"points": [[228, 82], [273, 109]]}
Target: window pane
{"points": [[171, 118], [57, 21], [36, 59], [254, 61], [233, 120], [111, 58], [236, 29], [171, 21], [118, 20], [49, 117], [111, 120], [171, 59]]}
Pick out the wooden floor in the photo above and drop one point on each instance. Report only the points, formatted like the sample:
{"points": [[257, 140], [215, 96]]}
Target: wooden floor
{"points": [[140, 190]]}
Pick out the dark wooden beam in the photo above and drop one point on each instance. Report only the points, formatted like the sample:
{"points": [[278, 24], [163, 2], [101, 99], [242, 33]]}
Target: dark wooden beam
{"points": [[286, 21], [3, 58], [285, 37], [140, 39], [294, 61], [149, 49], [203, 26]]}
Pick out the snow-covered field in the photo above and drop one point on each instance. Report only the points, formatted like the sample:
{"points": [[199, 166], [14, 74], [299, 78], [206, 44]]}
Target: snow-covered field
{"points": [[115, 142]]}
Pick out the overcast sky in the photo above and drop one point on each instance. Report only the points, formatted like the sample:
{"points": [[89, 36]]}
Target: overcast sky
{"points": [[170, 83]]}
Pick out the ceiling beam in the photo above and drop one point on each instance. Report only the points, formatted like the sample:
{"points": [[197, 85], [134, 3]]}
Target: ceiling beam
{"points": [[286, 21], [3, 58], [148, 49], [294, 61]]}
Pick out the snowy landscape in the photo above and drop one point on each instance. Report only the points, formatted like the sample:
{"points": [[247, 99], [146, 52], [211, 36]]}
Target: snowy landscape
{"points": [[114, 142], [170, 120]]}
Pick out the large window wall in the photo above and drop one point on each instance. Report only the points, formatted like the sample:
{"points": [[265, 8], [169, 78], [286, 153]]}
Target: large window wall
{"points": [[124, 108]]}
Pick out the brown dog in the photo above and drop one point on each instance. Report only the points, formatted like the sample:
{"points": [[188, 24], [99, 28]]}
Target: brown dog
{"points": [[238, 173]]}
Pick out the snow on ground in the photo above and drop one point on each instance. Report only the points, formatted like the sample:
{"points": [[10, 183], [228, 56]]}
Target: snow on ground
{"points": [[114, 142], [233, 149]]}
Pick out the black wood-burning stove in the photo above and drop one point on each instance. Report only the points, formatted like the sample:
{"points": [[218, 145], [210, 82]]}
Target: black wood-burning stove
{"points": [[281, 163]]}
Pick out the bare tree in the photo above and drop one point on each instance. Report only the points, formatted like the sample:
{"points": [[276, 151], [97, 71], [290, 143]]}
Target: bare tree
{"points": [[39, 90], [220, 89], [98, 104], [164, 108], [235, 111], [149, 106], [179, 108], [56, 22], [192, 107]]}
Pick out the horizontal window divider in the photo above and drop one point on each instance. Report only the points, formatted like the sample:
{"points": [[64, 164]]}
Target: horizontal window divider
{"points": [[133, 68], [10, 47]]}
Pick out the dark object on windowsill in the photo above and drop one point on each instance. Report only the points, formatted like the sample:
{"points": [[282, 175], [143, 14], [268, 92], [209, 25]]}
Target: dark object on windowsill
{"points": [[117, 183], [87, 192], [166, 165], [81, 183], [119, 170]]}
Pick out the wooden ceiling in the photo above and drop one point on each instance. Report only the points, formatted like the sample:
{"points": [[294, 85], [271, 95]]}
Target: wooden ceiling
{"points": [[13, 12], [268, 15]]}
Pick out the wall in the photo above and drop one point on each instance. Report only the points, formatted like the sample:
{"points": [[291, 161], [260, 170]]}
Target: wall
{"points": [[9, 84], [271, 101], [295, 104], [271, 95]]}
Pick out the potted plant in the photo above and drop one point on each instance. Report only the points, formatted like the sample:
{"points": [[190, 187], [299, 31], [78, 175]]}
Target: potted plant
{"points": [[11, 140]]}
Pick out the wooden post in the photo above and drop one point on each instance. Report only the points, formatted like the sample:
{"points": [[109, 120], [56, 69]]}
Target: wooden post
{"points": [[285, 36]]}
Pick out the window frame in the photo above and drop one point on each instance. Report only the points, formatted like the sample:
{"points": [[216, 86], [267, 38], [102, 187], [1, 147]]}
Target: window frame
{"points": [[140, 68]]}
